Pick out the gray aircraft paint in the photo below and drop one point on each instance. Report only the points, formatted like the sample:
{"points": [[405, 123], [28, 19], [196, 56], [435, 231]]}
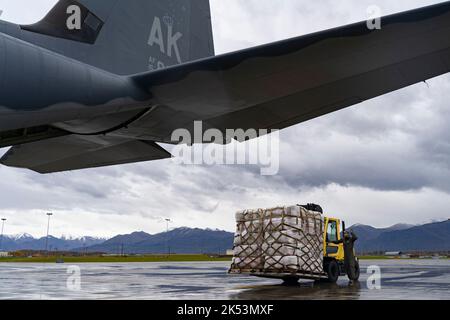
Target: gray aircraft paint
{"points": [[57, 88], [108, 94], [122, 48]]}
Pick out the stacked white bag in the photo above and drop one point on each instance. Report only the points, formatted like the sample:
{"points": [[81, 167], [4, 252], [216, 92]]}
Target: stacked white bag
{"points": [[248, 240], [279, 240]]}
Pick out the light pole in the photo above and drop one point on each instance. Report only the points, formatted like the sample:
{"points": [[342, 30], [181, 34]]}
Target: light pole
{"points": [[167, 235], [1, 239], [49, 214]]}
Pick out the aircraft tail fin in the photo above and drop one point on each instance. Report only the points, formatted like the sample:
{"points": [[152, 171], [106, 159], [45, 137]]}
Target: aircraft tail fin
{"points": [[126, 36]]}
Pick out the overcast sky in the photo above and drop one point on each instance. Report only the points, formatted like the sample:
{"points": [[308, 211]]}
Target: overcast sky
{"points": [[381, 162]]}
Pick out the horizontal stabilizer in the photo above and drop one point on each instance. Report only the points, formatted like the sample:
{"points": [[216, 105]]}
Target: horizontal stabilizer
{"points": [[79, 152]]}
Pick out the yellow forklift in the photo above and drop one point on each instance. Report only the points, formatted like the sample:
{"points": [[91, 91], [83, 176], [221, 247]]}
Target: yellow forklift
{"points": [[339, 255]]}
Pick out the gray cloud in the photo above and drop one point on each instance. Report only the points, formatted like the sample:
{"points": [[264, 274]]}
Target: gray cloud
{"points": [[396, 142]]}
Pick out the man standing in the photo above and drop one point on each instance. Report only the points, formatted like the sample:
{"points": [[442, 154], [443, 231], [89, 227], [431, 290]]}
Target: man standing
{"points": [[351, 265]]}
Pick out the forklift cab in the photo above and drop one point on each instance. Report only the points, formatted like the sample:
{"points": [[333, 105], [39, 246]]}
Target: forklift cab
{"points": [[333, 234]]}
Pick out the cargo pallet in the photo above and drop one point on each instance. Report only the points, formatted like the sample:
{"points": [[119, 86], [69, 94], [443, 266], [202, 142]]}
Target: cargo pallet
{"points": [[281, 274]]}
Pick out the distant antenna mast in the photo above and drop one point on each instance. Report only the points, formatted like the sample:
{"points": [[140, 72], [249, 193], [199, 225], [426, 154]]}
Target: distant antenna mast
{"points": [[1, 239], [167, 236], [49, 214]]}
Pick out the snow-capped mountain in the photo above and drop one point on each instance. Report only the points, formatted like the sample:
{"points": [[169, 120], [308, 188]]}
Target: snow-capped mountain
{"points": [[26, 241], [21, 237]]}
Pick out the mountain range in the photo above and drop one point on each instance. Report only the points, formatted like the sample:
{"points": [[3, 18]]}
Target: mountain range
{"points": [[181, 240], [401, 237], [428, 237], [28, 242]]}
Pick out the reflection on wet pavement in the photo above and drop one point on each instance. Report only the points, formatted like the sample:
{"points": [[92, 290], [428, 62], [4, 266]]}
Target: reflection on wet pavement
{"points": [[305, 290], [401, 279]]}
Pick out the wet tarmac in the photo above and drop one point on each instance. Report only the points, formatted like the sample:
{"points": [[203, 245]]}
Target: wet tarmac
{"points": [[400, 279]]}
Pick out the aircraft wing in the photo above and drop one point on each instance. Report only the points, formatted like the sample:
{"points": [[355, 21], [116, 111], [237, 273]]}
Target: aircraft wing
{"points": [[285, 83], [268, 87], [78, 152]]}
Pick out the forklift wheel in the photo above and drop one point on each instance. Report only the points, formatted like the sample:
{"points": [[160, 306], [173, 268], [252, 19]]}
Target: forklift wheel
{"points": [[333, 271], [354, 274]]}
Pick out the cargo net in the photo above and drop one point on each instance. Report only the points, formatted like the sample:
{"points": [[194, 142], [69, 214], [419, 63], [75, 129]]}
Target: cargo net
{"points": [[278, 240]]}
